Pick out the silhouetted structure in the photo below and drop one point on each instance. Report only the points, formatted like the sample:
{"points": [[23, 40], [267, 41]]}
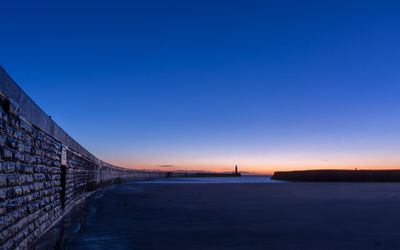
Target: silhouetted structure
{"points": [[339, 175], [236, 169]]}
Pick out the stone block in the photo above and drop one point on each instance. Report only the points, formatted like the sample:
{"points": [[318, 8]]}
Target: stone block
{"points": [[3, 194], [39, 177], [7, 154], [15, 109], [15, 123], [8, 129], [27, 127], [56, 163], [21, 223], [38, 144], [24, 244], [28, 139], [3, 210], [31, 228], [29, 178], [26, 189], [8, 219], [18, 237], [24, 148], [17, 191], [3, 139], [38, 186], [18, 156], [29, 198], [38, 169], [11, 142], [3, 180], [8, 245]]}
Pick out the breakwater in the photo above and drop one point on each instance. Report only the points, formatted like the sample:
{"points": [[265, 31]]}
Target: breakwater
{"points": [[202, 174], [339, 175], [43, 171]]}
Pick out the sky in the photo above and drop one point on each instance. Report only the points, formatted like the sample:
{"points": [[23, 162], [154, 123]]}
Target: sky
{"points": [[205, 85]]}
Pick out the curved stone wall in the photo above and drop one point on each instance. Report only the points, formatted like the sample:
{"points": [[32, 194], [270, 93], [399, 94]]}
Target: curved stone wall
{"points": [[43, 171]]}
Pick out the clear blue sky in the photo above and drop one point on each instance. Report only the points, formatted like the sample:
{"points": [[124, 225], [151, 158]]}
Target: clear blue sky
{"points": [[266, 85]]}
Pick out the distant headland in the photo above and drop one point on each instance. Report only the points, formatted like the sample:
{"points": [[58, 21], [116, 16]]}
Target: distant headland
{"points": [[236, 173], [338, 176]]}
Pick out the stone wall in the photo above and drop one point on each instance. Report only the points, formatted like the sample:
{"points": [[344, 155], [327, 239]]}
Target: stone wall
{"points": [[43, 171]]}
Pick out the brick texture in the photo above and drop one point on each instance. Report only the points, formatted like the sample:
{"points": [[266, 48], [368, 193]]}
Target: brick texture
{"points": [[35, 191]]}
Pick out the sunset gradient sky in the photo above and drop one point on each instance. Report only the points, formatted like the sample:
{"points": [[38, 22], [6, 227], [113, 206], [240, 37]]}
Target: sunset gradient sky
{"points": [[205, 85]]}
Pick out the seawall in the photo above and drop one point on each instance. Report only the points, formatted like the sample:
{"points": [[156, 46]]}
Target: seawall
{"points": [[43, 171], [202, 174], [339, 175]]}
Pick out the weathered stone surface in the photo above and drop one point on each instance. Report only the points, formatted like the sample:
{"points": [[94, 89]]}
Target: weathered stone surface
{"points": [[8, 167], [15, 109], [3, 194], [17, 191], [34, 187], [7, 154], [3, 180]]}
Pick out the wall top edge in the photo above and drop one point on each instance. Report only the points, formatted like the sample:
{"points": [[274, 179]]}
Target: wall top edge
{"points": [[33, 114]]}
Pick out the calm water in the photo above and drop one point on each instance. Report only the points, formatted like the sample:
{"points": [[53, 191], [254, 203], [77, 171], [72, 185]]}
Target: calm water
{"points": [[242, 179]]}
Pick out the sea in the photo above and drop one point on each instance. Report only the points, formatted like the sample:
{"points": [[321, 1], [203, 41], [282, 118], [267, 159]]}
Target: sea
{"points": [[241, 179]]}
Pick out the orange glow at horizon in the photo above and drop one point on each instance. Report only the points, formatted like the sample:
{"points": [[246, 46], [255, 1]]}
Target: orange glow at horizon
{"points": [[266, 167]]}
